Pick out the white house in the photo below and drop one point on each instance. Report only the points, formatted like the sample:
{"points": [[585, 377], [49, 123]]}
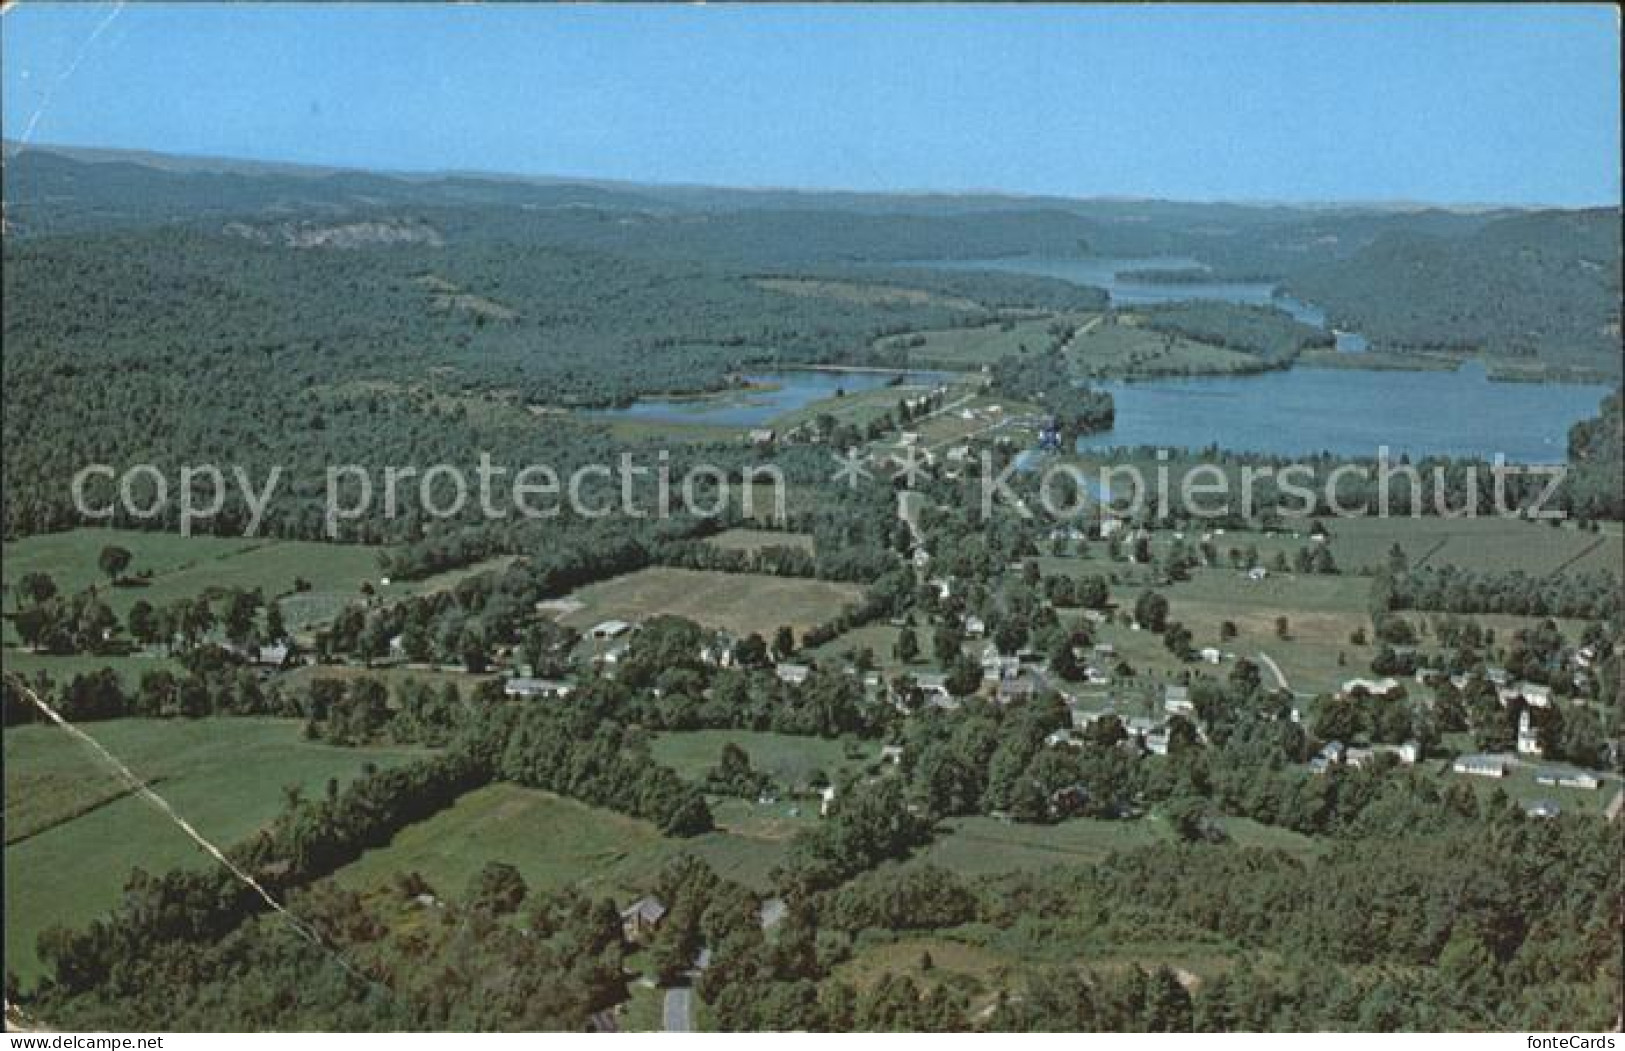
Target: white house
{"points": [[1528, 736], [794, 674], [1176, 700], [606, 630]]}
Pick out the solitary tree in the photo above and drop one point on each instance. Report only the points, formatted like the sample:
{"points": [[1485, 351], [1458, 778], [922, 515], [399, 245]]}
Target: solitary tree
{"points": [[114, 560]]}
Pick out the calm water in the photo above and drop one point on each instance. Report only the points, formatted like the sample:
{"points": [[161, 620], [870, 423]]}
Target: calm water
{"points": [[1113, 275], [789, 391], [1350, 412]]}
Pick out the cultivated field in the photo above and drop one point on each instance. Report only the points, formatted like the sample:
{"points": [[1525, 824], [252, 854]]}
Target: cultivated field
{"points": [[740, 603], [74, 831]]}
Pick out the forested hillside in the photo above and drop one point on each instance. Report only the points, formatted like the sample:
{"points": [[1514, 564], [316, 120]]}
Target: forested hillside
{"points": [[1539, 285]]}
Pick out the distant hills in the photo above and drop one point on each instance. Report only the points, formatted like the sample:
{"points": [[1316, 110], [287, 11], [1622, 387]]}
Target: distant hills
{"points": [[1524, 284]]}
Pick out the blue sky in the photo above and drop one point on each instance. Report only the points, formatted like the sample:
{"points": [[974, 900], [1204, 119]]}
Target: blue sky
{"points": [[1446, 104]]}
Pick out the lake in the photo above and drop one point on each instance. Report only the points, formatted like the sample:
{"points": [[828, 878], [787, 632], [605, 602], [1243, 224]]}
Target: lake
{"points": [[1115, 277], [1350, 412], [779, 393]]}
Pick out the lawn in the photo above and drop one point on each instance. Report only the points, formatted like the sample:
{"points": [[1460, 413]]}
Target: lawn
{"points": [[791, 761], [63, 667], [1476, 543], [187, 567], [971, 348], [1124, 348], [553, 842], [740, 603], [757, 539], [985, 846], [225, 776]]}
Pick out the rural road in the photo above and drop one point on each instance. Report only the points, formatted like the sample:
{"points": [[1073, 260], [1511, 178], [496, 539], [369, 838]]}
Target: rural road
{"points": [[1275, 670], [679, 1009]]}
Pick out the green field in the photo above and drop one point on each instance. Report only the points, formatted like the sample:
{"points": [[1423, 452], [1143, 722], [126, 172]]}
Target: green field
{"points": [[225, 776], [740, 603], [790, 761], [860, 407], [1477, 543], [971, 348], [554, 842], [63, 667], [1125, 348], [757, 539], [188, 567], [985, 846]]}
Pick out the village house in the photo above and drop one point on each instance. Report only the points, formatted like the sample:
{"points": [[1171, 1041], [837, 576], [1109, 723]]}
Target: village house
{"points": [[525, 686], [1528, 736], [794, 674], [934, 687], [1176, 700], [1534, 695], [975, 627], [1210, 655], [607, 630], [1011, 690], [642, 918], [761, 436]]}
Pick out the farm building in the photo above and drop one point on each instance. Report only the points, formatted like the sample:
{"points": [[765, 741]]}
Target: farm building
{"points": [[524, 686], [1176, 700], [1480, 766], [1568, 779]]}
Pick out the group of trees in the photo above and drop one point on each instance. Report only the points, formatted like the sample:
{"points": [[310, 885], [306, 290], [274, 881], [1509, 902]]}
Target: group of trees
{"points": [[1046, 378]]}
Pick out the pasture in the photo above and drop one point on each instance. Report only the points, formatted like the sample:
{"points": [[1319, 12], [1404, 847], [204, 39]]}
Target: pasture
{"points": [[553, 842], [1498, 544], [740, 603], [791, 761], [757, 539], [75, 831], [1124, 348], [985, 846], [970, 348], [190, 567]]}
